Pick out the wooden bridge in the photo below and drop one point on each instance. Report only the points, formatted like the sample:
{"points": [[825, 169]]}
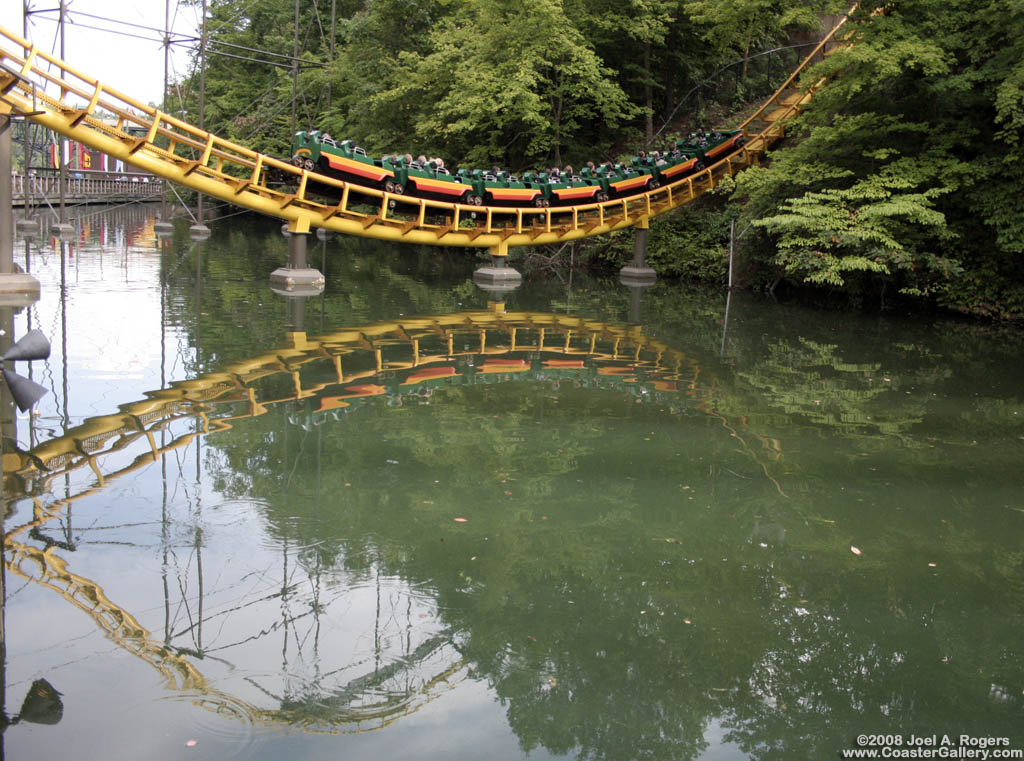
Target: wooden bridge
{"points": [[42, 190]]}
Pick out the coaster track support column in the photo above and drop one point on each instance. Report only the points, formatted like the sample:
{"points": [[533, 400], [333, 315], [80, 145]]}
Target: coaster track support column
{"points": [[638, 273], [498, 276], [298, 277]]}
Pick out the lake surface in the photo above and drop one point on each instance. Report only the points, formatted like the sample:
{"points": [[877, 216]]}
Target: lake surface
{"points": [[406, 519]]}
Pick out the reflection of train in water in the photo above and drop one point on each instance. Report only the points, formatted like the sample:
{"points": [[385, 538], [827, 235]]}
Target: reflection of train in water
{"points": [[400, 175]]}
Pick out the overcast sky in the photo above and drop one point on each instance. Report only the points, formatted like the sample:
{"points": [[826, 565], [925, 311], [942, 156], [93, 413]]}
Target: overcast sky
{"points": [[127, 58]]}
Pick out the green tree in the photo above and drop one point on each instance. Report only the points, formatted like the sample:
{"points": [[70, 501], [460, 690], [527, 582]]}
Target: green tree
{"points": [[510, 83], [908, 160], [740, 26]]}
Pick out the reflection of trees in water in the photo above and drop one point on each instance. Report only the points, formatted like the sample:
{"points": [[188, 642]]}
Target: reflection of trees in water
{"points": [[617, 627]]}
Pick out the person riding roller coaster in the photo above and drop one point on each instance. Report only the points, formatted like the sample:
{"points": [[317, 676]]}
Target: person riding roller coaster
{"points": [[429, 178]]}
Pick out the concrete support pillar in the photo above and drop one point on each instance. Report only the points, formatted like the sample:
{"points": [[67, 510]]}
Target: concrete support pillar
{"points": [[6, 201], [298, 277], [638, 272], [498, 276], [16, 287]]}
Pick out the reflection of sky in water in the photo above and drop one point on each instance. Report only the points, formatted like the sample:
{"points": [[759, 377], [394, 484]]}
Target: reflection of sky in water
{"points": [[112, 321], [739, 513]]}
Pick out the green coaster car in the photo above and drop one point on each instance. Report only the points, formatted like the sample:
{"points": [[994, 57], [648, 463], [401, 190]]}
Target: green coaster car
{"points": [[318, 152], [709, 147], [345, 161], [503, 189]]}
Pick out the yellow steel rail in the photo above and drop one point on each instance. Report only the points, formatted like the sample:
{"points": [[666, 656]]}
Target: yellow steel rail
{"points": [[48, 91]]}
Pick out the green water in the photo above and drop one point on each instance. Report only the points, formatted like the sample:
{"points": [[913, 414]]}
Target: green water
{"points": [[653, 529]]}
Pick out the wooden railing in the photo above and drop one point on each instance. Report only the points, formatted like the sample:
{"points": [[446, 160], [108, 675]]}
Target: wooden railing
{"points": [[43, 189]]}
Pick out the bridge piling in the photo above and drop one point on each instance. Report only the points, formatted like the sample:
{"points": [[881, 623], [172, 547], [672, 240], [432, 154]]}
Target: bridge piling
{"points": [[17, 288], [298, 277], [638, 273], [498, 276]]}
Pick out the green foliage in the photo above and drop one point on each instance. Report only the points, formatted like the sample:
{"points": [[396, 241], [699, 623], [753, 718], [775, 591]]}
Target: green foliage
{"points": [[902, 174], [864, 228], [506, 83], [692, 243], [738, 25], [908, 161]]}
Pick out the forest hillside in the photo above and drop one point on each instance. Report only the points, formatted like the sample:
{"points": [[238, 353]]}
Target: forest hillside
{"points": [[903, 177]]}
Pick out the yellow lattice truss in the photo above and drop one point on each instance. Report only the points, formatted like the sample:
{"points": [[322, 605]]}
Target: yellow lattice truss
{"points": [[48, 91]]}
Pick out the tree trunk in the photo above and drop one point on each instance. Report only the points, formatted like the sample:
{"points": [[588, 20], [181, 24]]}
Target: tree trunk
{"points": [[558, 131]]}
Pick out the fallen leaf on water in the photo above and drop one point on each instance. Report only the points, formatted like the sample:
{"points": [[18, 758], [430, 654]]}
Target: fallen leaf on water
{"points": [[854, 550]]}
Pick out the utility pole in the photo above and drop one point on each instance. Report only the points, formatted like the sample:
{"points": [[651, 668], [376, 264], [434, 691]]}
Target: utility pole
{"points": [[202, 90], [295, 64], [163, 226], [199, 229], [62, 146], [26, 12], [330, 87]]}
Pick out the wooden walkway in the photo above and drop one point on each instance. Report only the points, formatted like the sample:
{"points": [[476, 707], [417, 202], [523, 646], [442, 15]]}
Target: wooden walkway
{"points": [[45, 190]]}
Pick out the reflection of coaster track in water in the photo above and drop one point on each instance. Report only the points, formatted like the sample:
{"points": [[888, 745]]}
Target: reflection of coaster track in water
{"points": [[371, 701], [399, 354], [404, 357]]}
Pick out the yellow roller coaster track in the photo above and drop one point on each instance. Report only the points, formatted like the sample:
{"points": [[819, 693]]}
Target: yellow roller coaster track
{"points": [[46, 90]]}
